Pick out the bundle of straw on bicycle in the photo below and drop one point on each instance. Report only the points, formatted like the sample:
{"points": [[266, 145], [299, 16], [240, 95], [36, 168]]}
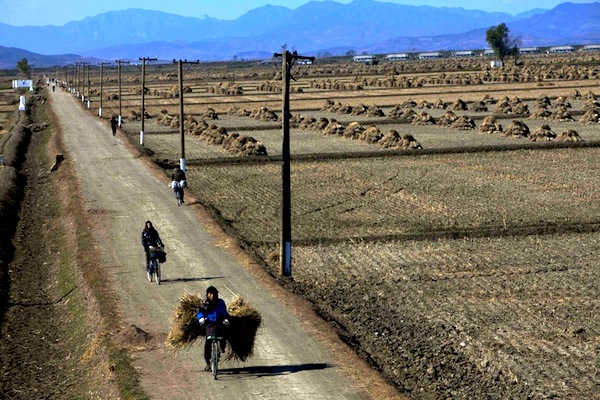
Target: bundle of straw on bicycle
{"points": [[241, 333]]}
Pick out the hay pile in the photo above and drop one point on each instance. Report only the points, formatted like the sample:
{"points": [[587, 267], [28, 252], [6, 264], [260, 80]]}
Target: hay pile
{"points": [[393, 140], [542, 133], [569, 136], [447, 119], [463, 123], [590, 117], [334, 128], [241, 334], [490, 125], [423, 119], [516, 129]]}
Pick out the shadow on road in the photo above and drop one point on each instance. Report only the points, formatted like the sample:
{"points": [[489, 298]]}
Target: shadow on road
{"points": [[179, 280], [267, 370]]}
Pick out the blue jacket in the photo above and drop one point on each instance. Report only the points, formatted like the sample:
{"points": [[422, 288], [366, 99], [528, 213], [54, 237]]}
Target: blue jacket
{"points": [[214, 313]]}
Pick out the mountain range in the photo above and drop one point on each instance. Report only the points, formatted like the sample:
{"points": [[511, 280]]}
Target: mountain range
{"points": [[316, 28]]}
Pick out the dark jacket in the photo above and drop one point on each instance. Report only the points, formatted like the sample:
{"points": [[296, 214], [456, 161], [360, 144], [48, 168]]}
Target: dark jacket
{"points": [[150, 237], [178, 175]]}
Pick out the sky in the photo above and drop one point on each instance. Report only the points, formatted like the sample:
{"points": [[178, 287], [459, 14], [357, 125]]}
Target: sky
{"points": [[60, 12]]}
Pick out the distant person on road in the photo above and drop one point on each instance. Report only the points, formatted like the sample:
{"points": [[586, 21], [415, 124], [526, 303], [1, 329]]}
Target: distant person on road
{"points": [[114, 124], [150, 237], [179, 181], [213, 311]]}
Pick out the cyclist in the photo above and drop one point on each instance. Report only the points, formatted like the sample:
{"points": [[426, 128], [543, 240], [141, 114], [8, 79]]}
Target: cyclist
{"points": [[150, 237], [179, 181], [212, 311]]}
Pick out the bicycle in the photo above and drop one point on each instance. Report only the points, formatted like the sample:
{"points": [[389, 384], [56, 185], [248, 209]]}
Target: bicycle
{"points": [[153, 270], [215, 336]]}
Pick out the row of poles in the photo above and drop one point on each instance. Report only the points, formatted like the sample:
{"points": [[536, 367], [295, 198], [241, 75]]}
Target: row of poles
{"points": [[288, 60]]}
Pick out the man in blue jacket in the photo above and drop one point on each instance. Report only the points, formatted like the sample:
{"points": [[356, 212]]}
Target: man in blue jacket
{"points": [[213, 311]]}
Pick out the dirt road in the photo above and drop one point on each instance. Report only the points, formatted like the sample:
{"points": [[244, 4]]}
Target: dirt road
{"points": [[123, 191]]}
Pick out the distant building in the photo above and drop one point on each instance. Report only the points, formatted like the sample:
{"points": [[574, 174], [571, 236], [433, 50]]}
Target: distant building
{"points": [[496, 64], [465, 53], [561, 49], [529, 50], [366, 59], [397, 57], [428, 56], [591, 47], [488, 52]]}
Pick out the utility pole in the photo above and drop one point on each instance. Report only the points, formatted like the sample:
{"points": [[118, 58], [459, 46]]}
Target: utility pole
{"points": [[101, 64], [119, 62], [143, 60], [88, 85], [82, 73], [285, 246], [181, 130], [76, 88]]}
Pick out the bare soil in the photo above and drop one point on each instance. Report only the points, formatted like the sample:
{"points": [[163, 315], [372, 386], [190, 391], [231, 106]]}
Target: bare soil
{"points": [[38, 356]]}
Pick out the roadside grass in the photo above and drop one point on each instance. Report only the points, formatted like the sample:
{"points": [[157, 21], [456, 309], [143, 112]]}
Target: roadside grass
{"points": [[91, 305]]}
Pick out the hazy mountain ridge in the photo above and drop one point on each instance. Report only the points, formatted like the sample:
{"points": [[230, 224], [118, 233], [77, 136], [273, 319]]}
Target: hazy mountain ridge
{"points": [[314, 28]]}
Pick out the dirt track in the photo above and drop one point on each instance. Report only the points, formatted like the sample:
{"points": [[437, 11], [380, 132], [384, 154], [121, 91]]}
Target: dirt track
{"points": [[122, 192]]}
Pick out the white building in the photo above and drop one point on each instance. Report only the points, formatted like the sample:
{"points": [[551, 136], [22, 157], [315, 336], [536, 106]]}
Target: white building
{"points": [[397, 57], [561, 49], [465, 53], [529, 50], [366, 59], [428, 56], [591, 47]]}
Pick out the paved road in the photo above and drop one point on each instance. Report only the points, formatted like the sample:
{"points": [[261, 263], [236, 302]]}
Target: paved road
{"points": [[122, 191]]}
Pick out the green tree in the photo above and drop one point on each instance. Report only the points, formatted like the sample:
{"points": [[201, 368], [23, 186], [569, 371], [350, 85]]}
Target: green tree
{"points": [[500, 42], [24, 67]]}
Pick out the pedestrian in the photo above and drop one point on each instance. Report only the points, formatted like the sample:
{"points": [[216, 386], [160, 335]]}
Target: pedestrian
{"points": [[114, 124]]}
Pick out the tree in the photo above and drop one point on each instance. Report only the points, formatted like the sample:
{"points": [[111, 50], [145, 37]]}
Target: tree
{"points": [[24, 67], [499, 41]]}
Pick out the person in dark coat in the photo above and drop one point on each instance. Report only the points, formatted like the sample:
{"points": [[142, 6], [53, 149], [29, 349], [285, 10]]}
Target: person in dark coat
{"points": [[179, 181], [150, 237], [114, 124]]}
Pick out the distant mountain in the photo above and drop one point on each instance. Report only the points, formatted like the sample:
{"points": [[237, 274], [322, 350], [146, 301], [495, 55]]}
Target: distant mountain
{"points": [[314, 28], [10, 55]]}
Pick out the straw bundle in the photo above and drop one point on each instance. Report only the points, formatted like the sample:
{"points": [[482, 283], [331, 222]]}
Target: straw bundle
{"points": [[245, 321], [185, 328], [241, 333]]}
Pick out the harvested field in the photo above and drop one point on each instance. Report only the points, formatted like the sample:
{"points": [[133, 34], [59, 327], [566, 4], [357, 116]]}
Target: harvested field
{"points": [[467, 269]]}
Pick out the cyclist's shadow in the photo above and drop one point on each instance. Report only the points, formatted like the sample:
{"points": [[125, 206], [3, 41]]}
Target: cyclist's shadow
{"points": [[269, 370], [180, 280]]}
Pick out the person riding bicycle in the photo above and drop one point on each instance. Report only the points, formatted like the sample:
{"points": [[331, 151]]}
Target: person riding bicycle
{"points": [[212, 311], [150, 237], [179, 181]]}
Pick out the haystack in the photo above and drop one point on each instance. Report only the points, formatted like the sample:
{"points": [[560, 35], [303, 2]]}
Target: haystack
{"points": [[542, 133], [569, 136], [334, 128], [241, 334], [490, 125], [561, 114], [463, 123], [423, 119], [440, 104], [541, 113], [393, 140], [447, 119], [459, 105], [424, 104], [479, 106], [353, 130], [516, 129], [590, 117], [371, 135], [591, 104]]}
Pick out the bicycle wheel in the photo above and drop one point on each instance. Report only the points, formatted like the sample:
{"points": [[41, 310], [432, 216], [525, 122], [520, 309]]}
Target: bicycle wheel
{"points": [[214, 358], [149, 271], [157, 271]]}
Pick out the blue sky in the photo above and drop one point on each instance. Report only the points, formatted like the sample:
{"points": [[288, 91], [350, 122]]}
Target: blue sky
{"points": [[59, 12]]}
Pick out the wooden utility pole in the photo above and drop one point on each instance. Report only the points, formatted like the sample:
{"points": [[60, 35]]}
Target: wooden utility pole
{"points": [[101, 64], [285, 246], [119, 62], [181, 130], [143, 60]]}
